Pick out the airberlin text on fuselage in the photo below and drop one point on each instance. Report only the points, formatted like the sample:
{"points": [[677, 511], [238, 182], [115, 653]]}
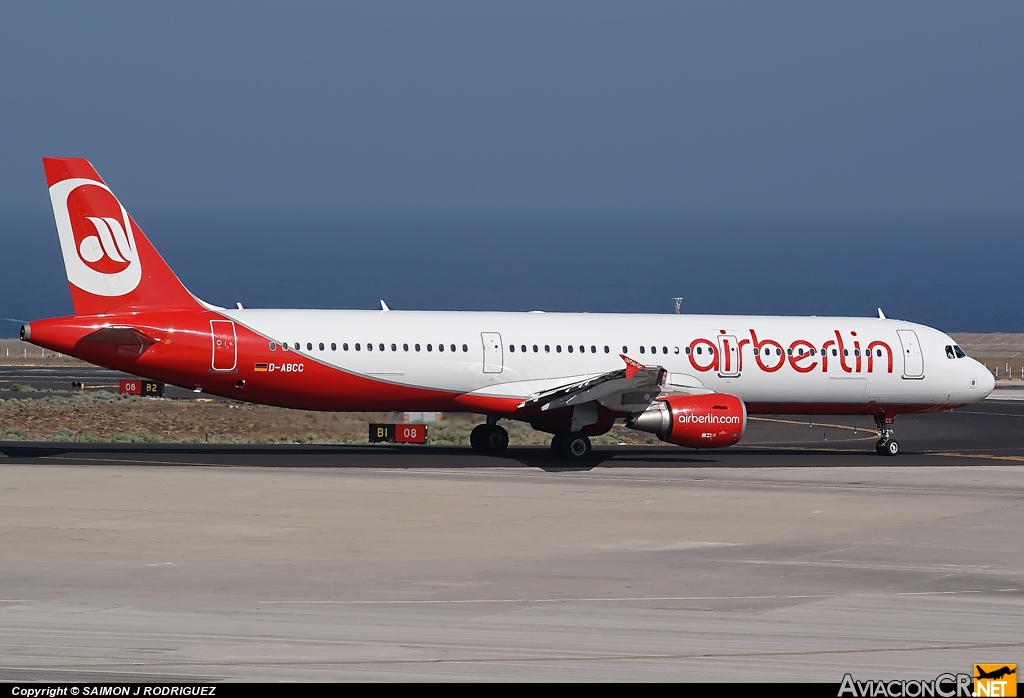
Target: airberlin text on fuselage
{"points": [[802, 356]]}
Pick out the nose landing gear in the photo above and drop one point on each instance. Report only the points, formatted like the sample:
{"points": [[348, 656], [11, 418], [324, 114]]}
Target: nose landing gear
{"points": [[887, 445]]}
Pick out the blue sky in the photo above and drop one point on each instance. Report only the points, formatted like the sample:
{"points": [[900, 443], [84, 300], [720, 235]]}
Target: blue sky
{"points": [[589, 107]]}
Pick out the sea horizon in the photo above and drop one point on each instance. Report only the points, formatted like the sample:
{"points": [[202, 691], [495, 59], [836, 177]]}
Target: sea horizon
{"points": [[958, 273]]}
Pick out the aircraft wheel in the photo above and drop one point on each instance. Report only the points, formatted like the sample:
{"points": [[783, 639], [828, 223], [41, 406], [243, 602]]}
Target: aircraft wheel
{"points": [[495, 440], [576, 446], [558, 444], [477, 437], [887, 447]]}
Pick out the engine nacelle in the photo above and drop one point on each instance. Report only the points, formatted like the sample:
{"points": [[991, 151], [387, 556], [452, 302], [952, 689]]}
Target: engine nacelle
{"points": [[715, 420]]}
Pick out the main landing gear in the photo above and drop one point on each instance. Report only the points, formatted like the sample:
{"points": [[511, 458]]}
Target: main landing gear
{"points": [[571, 446], [489, 438], [887, 445]]}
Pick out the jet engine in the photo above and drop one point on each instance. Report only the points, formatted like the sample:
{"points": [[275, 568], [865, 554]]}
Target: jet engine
{"points": [[715, 420]]}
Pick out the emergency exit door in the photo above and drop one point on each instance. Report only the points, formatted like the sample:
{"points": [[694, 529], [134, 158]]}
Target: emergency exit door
{"points": [[225, 350], [493, 357], [728, 356]]}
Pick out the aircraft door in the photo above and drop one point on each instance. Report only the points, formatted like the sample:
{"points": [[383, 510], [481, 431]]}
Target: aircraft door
{"points": [[493, 357], [913, 359], [225, 349], [728, 356]]}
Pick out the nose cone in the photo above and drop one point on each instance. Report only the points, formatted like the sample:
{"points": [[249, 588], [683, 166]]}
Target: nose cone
{"points": [[986, 381]]}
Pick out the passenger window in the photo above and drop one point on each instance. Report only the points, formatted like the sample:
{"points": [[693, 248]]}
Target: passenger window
{"points": [[430, 348], [606, 349], [512, 348], [643, 350], [440, 347], [558, 348], [465, 348], [547, 348], [381, 347], [664, 350], [357, 346], [879, 353], [789, 352], [959, 352], [583, 349], [756, 351], [334, 347], [835, 353], [856, 352], [675, 349], [394, 347], [593, 349], [273, 347], [321, 346], [949, 352], [569, 348], [523, 348], [452, 347], [625, 349], [284, 346], [534, 348], [654, 350], [345, 346], [846, 352], [405, 347], [688, 350], [701, 351], [417, 347], [369, 346]]}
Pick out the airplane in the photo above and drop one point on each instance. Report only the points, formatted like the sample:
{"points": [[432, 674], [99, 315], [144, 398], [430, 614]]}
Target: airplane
{"points": [[692, 380], [995, 674]]}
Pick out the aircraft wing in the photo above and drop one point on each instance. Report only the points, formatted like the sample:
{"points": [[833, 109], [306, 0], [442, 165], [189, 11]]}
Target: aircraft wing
{"points": [[634, 377]]}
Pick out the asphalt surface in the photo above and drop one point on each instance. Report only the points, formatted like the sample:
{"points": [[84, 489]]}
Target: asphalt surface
{"points": [[801, 556]]}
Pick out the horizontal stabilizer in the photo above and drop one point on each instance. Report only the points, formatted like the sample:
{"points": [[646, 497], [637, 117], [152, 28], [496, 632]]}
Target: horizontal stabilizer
{"points": [[127, 339]]}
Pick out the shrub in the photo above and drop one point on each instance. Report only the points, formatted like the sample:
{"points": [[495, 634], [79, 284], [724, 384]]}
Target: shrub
{"points": [[14, 434]]}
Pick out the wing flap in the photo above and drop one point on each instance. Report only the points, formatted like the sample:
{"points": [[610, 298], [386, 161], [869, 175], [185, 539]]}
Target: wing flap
{"points": [[634, 377]]}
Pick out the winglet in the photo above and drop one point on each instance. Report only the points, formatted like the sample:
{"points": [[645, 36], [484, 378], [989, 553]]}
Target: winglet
{"points": [[631, 366], [384, 306], [881, 315]]}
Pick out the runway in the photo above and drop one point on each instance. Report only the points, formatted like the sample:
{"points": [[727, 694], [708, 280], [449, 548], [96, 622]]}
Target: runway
{"points": [[799, 557]]}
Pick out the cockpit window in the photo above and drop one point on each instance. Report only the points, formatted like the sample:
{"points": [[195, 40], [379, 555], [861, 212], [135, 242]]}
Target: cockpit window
{"points": [[949, 352], [959, 352]]}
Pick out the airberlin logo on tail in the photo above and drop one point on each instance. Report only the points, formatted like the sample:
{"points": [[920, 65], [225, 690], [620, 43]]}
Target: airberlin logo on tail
{"points": [[96, 238]]}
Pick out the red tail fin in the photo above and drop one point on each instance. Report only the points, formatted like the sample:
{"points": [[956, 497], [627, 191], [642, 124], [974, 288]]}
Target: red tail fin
{"points": [[111, 266]]}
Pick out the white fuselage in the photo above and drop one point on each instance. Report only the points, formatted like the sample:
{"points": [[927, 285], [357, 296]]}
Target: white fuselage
{"points": [[771, 363]]}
